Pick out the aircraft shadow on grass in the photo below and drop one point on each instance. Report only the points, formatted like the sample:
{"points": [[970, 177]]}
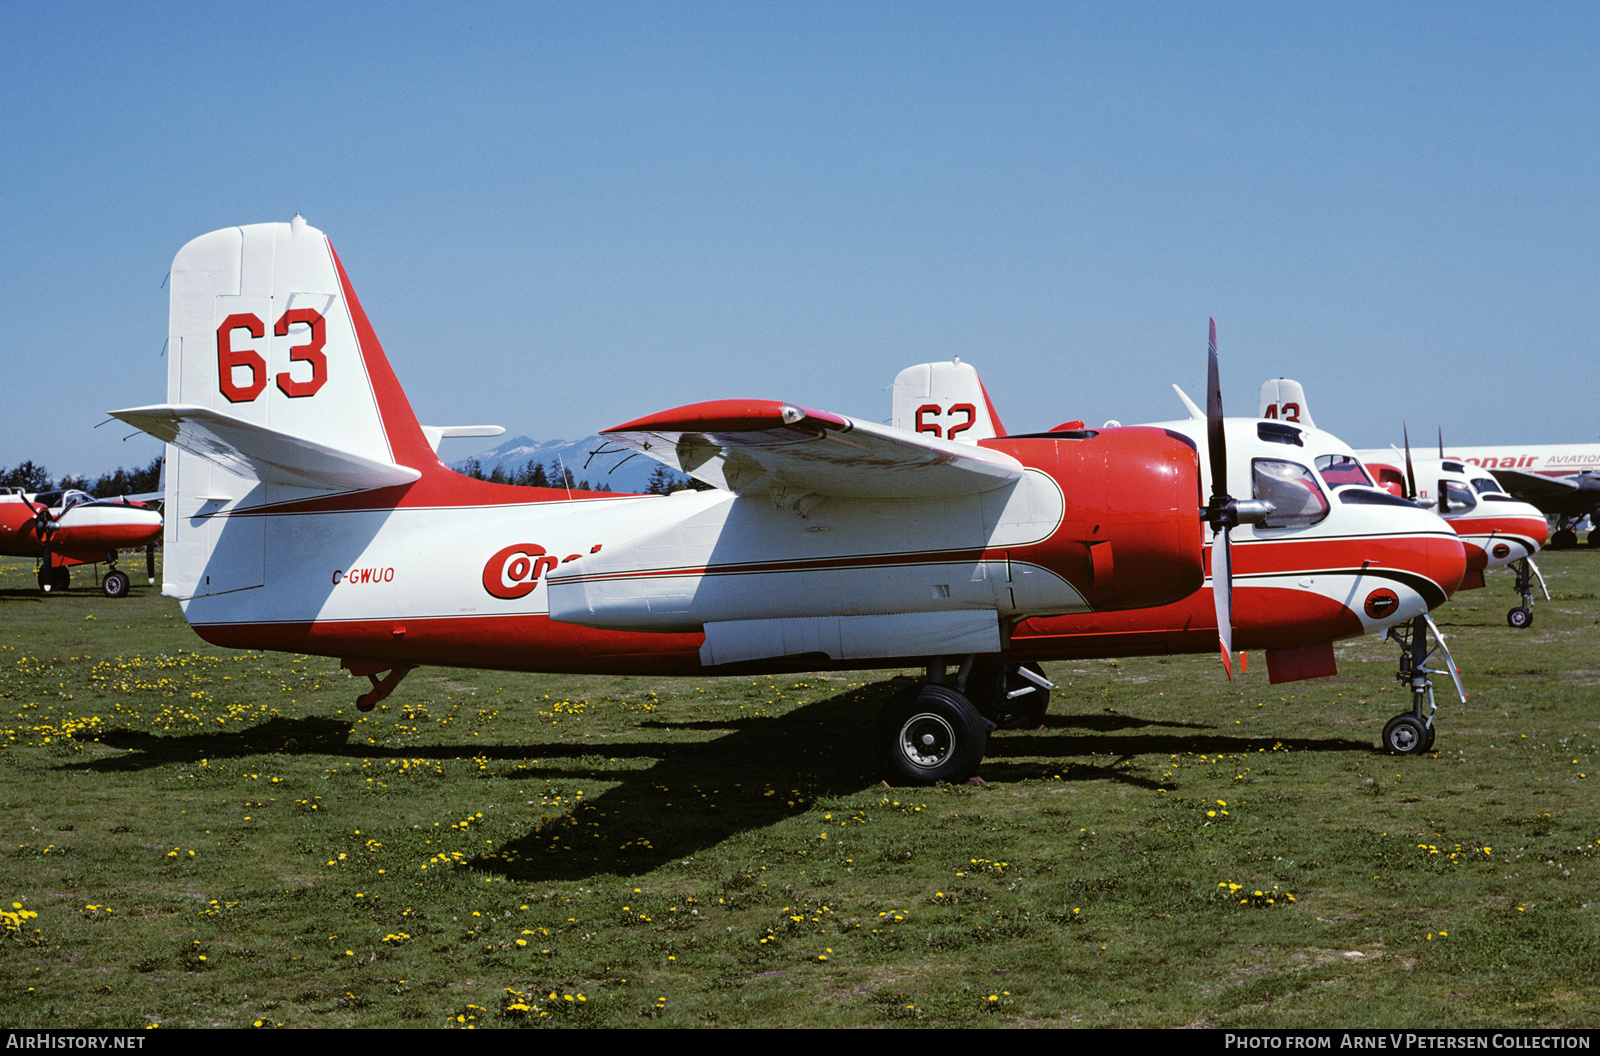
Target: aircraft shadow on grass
{"points": [[698, 794]]}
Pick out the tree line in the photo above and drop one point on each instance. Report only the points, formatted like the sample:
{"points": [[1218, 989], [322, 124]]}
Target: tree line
{"points": [[535, 474], [32, 477]]}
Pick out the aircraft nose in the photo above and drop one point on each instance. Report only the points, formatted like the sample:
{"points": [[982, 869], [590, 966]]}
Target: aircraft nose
{"points": [[1444, 561]]}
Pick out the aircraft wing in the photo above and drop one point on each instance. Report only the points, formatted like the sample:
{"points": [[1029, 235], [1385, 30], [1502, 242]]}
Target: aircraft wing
{"points": [[1533, 487], [742, 445], [266, 454]]}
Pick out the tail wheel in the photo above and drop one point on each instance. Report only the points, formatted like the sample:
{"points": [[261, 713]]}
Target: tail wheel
{"points": [[990, 687], [931, 733]]}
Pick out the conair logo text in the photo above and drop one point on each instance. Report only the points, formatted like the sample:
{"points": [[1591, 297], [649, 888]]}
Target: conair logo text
{"points": [[514, 571], [1381, 603]]}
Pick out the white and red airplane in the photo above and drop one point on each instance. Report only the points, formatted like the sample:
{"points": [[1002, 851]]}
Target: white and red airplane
{"points": [[1496, 529], [309, 512], [1334, 558], [70, 527], [1562, 480]]}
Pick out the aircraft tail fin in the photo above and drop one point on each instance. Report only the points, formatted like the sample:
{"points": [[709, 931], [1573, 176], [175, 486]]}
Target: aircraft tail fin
{"points": [[1284, 399], [266, 329], [277, 391], [947, 400]]}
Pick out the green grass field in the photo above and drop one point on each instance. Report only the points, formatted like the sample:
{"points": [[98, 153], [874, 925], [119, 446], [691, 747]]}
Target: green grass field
{"points": [[192, 837]]}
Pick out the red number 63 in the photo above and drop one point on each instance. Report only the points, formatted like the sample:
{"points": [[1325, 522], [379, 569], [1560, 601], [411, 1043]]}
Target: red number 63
{"points": [[311, 352]]}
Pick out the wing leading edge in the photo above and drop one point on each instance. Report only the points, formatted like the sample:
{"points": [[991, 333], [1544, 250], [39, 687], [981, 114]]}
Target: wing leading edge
{"points": [[745, 445]]}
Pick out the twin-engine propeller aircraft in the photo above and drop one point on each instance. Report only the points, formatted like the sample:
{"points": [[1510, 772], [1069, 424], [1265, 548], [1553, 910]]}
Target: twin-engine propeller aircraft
{"points": [[71, 527], [1318, 555], [1496, 529], [1562, 480], [309, 512]]}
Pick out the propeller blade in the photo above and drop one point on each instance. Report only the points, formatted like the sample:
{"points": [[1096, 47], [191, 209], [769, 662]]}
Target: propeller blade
{"points": [[1441, 443], [1222, 512], [1216, 443], [1411, 474], [1222, 595], [150, 562]]}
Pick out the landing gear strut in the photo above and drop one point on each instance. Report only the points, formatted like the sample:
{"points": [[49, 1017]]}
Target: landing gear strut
{"points": [[1522, 615], [1411, 732], [1012, 696], [933, 732]]}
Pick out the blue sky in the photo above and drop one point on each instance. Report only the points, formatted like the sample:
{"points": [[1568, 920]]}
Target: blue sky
{"points": [[563, 216]]}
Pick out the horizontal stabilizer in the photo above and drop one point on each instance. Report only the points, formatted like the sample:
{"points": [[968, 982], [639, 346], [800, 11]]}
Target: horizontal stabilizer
{"points": [[742, 445], [435, 433], [265, 454]]}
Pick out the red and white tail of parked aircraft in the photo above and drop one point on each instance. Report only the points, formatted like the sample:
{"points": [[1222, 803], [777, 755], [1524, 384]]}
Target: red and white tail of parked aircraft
{"points": [[1497, 529], [309, 512], [70, 527]]}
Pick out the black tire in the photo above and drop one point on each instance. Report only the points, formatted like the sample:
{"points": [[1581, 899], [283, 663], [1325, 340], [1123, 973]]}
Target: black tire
{"points": [[1427, 745], [1564, 539], [988, 686], [1520, 617], [930, 733], [1405, 734], [115, 584]]}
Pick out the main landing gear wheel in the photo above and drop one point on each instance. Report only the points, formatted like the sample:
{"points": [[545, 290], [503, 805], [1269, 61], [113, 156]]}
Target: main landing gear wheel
{"points": [[1007, 697], [931, 733], [1405, 734], [1520, 617], [115, 584], [1563, 539]]}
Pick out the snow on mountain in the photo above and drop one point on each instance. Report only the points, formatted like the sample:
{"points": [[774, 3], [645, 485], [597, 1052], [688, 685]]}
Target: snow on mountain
{"points": [[613, 469]]}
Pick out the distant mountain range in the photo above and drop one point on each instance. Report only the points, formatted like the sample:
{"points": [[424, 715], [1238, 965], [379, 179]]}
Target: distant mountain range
{"points": [[613, 469]]}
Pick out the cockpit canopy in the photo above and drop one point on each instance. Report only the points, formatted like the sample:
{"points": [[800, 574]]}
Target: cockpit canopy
{"points": [[63, 500]]}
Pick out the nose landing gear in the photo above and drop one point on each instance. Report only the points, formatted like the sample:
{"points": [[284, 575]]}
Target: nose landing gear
{"points": [[1522, 615], [1412, 732]]}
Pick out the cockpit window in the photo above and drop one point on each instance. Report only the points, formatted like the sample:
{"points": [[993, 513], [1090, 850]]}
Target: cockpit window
{"points": [[1290, 487], [62, 500], [1339, 470], [1457, 497], [1487, 486]]}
